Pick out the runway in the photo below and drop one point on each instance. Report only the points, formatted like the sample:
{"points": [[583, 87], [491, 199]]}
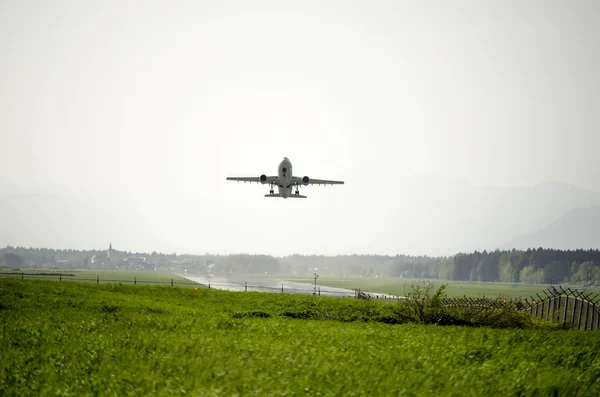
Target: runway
{"points": [[274, 285]]}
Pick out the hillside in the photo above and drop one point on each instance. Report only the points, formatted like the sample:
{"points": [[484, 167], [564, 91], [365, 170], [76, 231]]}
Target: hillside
{"points": [[441, 216], [578, 228]]}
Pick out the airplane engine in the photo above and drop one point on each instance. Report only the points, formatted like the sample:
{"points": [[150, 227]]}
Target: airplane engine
{"points": [[305, 180], [263, 179]]}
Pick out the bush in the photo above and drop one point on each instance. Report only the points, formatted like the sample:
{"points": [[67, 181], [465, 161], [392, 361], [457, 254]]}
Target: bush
{"points": [[424, 306]]}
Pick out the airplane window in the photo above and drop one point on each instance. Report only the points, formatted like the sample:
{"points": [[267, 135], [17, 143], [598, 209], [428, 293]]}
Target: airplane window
{"points": [[284, 169]]}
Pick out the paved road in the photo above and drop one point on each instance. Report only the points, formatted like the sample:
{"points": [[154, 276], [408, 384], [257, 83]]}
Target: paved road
{"points": [[268, 284]]}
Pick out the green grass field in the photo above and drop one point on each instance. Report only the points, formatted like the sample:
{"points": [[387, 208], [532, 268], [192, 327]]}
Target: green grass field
{"points": [[100, 276], [398, 286], [386, 285], [116, 340]]}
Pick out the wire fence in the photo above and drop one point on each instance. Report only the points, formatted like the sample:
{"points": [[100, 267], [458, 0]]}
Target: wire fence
{"points": [[182, 282], [97, 280], [572, 308], [309, 289]]}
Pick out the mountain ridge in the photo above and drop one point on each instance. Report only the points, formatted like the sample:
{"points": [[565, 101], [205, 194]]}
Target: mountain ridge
{"points": [[579, 228]]}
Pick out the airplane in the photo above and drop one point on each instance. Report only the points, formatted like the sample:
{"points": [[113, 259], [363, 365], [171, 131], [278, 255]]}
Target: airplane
{"points": [[285, 181]]}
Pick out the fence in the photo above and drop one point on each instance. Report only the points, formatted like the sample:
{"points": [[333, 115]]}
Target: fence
{"points": [[290, 288], [309, 289], [571, 308], [576, 309], [97, 280]]}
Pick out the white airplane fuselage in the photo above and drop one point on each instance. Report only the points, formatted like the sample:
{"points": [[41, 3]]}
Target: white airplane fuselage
{"points": [[288, 185], [284, 173]]}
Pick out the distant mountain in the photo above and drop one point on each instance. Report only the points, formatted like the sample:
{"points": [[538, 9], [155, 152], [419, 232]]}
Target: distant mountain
{"points": [[438, 216], [578, 228]]}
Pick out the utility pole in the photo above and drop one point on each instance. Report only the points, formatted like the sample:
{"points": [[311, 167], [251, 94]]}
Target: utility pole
{"points": [[316, 277]]}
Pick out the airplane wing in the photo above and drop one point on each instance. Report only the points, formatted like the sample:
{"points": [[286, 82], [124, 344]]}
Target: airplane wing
{"points": [[251, 179], [300, 181]]}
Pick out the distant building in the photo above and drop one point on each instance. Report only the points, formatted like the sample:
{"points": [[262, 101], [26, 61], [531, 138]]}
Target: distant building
{"points": [[64, 263], [104, 260], [136, 263]]}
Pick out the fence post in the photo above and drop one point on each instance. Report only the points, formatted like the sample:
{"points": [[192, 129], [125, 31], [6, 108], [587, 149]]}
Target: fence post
{"points": [[319, 291], [171, 281], [59, 279], [97, 279], [245, 286], [566, 308], [579, 315], [21, 275], [574, 310], [282, 288], [208, 284], [134, 281]]}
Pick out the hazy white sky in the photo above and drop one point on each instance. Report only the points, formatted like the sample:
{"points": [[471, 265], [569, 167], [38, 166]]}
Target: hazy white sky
{"points": [[155, 102]]}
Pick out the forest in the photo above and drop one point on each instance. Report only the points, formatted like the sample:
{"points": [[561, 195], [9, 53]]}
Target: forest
{"points": [[534, 266]]}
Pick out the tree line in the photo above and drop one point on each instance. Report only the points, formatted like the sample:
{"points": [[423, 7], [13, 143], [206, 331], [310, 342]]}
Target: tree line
{"points": [[543, 266], [536, 266]]}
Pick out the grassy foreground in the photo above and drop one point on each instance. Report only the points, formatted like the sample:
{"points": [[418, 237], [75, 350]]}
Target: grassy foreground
{"points": [[82, 339]]}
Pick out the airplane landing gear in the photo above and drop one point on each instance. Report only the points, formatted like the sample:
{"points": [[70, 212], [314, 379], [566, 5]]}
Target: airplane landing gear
{"points": [[297, 192], [271, 191]]}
